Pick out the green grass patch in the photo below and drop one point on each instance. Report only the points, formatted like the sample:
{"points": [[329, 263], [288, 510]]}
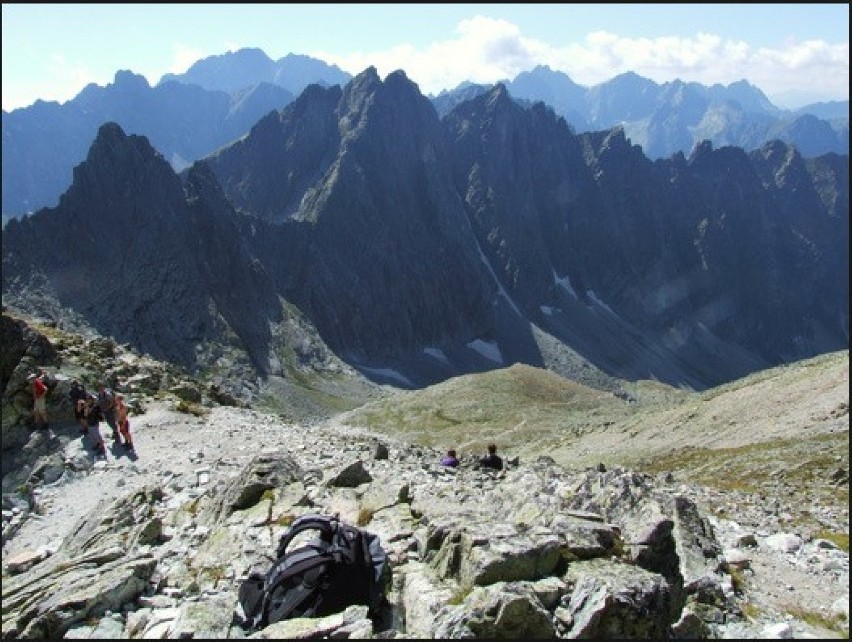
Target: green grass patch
{"points": [[800, 467], [518, 406], [215, 573], [837, 622], [738, 581], [191, 506], [365, 515], [839, 539], [460, 594], [191, 408], [285, 519], [750, 611]]}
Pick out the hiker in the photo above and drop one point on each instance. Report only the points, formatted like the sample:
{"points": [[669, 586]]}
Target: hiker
{"points": [[78, 399], [492, 459], [450, 459], [93, 416], [123, 421], [39, 400], [106, 402]]}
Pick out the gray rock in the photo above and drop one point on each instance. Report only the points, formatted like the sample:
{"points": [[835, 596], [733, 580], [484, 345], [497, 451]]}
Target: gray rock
{"points": [[350, 476], [351, 622], [264, 472], [471, 555], [784, 542], [498, 611], [205, 620], [611, 600]]}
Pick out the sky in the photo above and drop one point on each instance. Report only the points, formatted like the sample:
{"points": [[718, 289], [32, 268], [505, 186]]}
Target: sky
{"points": [[795, 53]]}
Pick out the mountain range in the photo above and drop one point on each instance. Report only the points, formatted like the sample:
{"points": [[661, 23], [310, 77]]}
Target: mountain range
{"points": [[188, 116], [357, 223]]}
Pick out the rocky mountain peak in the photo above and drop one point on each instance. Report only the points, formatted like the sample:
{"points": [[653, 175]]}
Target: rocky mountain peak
{"points": [[393, 100], [701, 150], [111, 142], [119, 170], [365, 82], [499, 96], [126, 80]]}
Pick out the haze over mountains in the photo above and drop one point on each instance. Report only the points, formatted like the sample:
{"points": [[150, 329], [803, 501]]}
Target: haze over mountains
{"points": [[356, 223], [187, 116]]}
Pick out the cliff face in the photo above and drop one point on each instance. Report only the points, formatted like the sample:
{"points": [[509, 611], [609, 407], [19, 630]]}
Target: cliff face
{"points": [[422, 248], [114, 249]]}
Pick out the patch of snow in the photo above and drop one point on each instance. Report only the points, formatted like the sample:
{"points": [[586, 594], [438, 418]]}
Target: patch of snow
{"points": [[546, 309], [389, 373], [594, 297], [565, 283], [437, 354], [488, 349], [500, 287]]}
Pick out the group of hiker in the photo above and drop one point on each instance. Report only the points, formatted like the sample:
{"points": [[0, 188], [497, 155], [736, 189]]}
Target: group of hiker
{"points": [[89, 410], [106, 405], [492, 460]]}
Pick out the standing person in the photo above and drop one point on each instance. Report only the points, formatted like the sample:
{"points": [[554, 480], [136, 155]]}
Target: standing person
{"points": [[93, 417], [123, 421], [450, 459], [492, 459], [39, 400], [78, 398], [106, 402]]}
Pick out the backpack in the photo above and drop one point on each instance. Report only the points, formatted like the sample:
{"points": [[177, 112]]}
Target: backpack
{"points": [[94, 416], [342, 566]]}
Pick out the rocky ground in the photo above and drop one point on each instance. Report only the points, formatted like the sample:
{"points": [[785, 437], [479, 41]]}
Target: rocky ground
{"points": [[765, 460], [793, 585]]}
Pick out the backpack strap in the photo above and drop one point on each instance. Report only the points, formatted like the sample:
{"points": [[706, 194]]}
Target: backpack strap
{"points": [[251, 597], [327, 527]]}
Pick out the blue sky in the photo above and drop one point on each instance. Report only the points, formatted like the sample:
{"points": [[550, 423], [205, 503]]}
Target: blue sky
{"points": [[795, 53]]}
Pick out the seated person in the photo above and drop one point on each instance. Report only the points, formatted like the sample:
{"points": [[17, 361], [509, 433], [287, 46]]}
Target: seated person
{"points": [[492, 459], [450, 459]]}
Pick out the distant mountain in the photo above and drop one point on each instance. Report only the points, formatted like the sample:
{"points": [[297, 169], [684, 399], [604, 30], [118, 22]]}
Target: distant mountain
{"points": [[555, 89], [419, 248], [43, 143], [446, 101], [236, 70], [676, 116], [836, 109]]}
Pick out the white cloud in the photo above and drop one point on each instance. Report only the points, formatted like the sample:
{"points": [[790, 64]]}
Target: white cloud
{"points": [[812, 65], [184, 57], [63, 80], [70, 77], [485, 50]]}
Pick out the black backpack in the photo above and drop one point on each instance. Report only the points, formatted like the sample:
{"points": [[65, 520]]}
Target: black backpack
{"points": [[342, 566]]}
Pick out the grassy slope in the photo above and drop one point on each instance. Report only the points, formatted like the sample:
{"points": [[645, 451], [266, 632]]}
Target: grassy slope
{"points": [[783, 431], [529, 411]]}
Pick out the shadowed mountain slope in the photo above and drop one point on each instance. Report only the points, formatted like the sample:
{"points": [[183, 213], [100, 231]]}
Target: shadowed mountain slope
{"points": [[421, 248]]}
